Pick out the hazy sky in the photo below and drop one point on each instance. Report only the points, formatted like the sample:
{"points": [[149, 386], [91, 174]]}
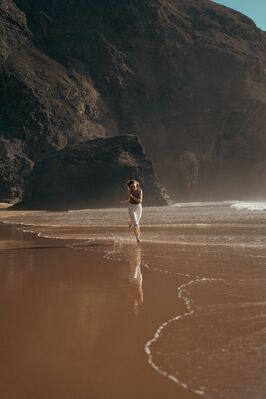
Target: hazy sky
{"points": [[255, 9]]}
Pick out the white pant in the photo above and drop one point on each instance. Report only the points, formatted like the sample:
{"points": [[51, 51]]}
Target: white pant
{"points": [[135, 211]]}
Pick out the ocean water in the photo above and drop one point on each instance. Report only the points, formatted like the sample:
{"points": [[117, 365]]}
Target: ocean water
{"points": [[216, 253]]}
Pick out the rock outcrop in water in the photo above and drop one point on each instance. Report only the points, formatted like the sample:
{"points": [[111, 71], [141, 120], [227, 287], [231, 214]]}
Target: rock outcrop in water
{"points": [[94, 173], [186, 76]]}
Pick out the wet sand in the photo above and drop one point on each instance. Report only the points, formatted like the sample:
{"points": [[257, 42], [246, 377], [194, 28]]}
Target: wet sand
{"points": [[94, 315], [73, 324]]}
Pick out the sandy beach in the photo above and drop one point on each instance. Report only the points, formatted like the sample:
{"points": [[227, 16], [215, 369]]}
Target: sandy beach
{"points": [[132, 199], [107, 318], [71, 327]]}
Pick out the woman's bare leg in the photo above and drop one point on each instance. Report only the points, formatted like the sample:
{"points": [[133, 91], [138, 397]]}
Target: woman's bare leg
{"points": [[137, 232], [129, 224]]}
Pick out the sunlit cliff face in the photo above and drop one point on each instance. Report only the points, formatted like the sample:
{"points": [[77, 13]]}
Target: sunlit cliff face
{"points": [[186, 77]]}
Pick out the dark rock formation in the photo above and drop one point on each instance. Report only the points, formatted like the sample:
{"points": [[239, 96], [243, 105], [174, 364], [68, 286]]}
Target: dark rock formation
{"points": [[94, 173], [15, 170], [186, 76], [42, 103]]}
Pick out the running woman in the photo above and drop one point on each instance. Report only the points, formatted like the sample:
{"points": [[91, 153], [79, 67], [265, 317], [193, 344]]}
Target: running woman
{"points": [[134, 200]]}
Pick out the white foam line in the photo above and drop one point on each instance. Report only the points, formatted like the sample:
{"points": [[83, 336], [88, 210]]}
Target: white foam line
{"points": [[156, 269], [127, 240], [51, 237], [203, 204], [182, 294], [118, 239], [250, 206]]}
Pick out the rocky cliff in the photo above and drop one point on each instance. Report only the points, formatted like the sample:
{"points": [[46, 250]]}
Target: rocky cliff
{"points": [[186, 76], [94, 174], [15, 170]]}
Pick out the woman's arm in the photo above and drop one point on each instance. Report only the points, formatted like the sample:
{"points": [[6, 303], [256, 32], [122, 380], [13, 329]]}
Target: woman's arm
{"points": [[141, 196], [126, 200], [137, 200]]}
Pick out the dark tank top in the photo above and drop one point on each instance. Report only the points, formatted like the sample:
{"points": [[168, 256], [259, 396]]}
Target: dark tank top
{"points": [[135, 194]]}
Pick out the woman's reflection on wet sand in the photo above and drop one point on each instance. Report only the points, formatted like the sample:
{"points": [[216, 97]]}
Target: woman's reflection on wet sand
{"points": [[135, 278]]}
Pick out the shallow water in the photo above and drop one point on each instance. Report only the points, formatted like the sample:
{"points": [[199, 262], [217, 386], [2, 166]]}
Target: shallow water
{"points": [[216, 255], [222, 223]]}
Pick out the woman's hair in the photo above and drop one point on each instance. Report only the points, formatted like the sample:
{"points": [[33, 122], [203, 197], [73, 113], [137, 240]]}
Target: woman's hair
{"points": [[132, 182]]}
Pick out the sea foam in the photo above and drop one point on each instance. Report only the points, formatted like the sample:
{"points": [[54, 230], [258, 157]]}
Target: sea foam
{"points": [[250, 206]]}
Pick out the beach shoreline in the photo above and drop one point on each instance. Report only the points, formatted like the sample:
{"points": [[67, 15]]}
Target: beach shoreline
{"points": [[115, 319]]}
